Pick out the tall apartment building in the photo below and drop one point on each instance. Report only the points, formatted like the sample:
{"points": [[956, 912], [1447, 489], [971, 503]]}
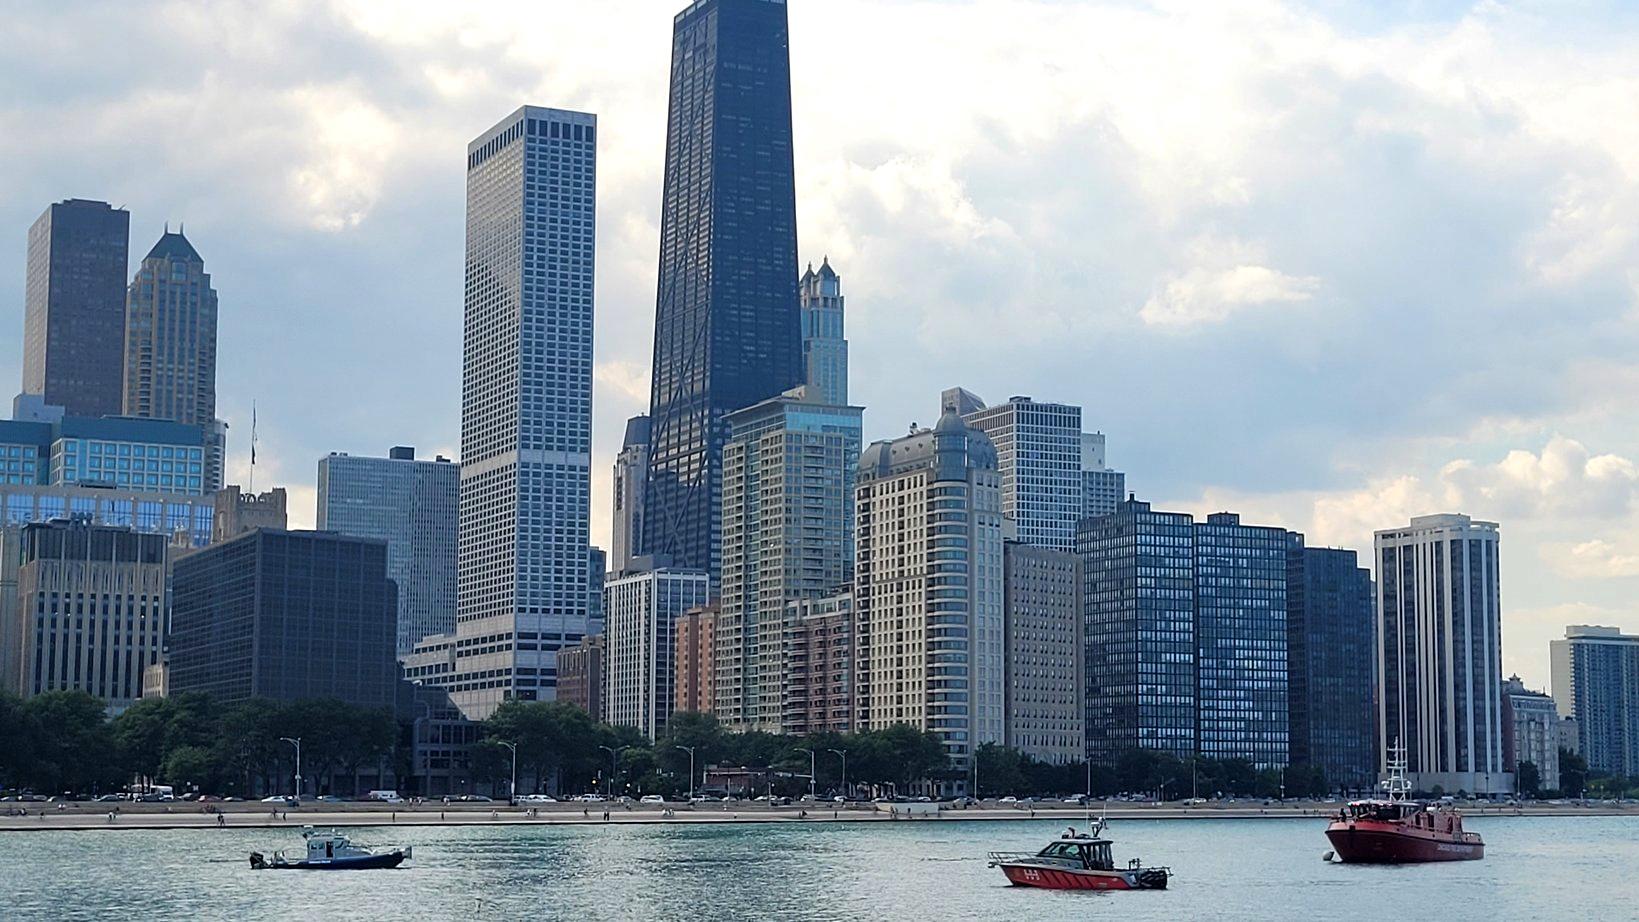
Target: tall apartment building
{"points": [[631, 479], [1439, 652], [824, 347], [1038, 451], [597, 568], [1102, 489], [1046, 679], [1530, 732], [170, 346], [819, 677], [91, 607], [74, 306], [1240, 636], [526, 418], [1139, 568], [726, 317], [639, 668], [694, 646], [928, 587], [1596, 683], [580, 675], [412, 505], [1331, 649], [238, 512], [787, 533], [287, 615]]}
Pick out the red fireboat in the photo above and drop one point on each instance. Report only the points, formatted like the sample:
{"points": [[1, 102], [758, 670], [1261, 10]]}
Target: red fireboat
{"points": [[1078, 862], [1401, 831]]}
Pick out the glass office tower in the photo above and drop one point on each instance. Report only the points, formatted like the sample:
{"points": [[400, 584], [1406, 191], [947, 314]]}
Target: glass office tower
{"points": [[726, 315]]}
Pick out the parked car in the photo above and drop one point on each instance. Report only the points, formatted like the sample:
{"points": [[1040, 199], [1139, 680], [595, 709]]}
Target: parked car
{"points": [[1009, 799], [537, 799], [590, 798], [109, 799], [653, 799], [477, 799]]}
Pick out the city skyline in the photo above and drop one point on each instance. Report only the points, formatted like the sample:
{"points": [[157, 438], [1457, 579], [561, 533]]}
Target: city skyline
{"points": [[1334, 472]]}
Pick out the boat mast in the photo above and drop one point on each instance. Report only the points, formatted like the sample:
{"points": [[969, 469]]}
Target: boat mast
{"points": [[1397, 785]]}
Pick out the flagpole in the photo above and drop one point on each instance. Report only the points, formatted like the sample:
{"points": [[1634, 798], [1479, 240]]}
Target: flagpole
{"points": [[252, 487]]}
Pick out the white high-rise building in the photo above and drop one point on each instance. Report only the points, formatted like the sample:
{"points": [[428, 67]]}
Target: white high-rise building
{"points": [[788, 534], [631, 479], [1439, 653], [526, 408], [411, 505], [641, 608], [1038, 451], [1102, 489], [928, 587], [824, 350]]}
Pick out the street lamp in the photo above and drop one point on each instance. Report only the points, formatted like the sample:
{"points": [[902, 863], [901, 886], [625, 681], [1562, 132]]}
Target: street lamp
{"points": [[844, 754], [1089, 777], [614, 759], [810, 770], [512, 789], [297, 742], [690, 751]]}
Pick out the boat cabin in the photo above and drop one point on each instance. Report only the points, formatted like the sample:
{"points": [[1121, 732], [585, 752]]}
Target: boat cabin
{"points": [[1080, 852], [1382, 811]]}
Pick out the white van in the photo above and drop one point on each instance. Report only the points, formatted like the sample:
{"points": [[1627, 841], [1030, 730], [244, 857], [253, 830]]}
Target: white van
{"points": [[386, 797]]}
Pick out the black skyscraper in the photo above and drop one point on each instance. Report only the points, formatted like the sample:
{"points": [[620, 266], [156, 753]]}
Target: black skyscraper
{"points": [[74, 310], [727, 333]]}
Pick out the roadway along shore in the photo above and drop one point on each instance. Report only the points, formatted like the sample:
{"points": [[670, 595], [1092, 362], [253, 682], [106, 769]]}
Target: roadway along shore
{"points": [[261, 816]]}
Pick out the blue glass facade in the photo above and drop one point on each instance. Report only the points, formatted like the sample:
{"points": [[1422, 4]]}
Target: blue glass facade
{"points": [[1240, 624], [1185, 635], [726, 314], [1331, 640], [144, 455], [1139, 598]]}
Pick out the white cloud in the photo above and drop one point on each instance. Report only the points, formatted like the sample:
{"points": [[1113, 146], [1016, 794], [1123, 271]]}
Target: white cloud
{"points": [[1207, 296], [1595, 559]]}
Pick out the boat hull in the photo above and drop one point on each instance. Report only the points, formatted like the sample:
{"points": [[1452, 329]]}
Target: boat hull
{"points": [[361, 863], [1051, 878], [1381, 843]]}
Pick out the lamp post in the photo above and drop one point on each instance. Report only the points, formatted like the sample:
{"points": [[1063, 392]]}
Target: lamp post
{"points": [[844, 754], [810, 771], [690, 751], [1089, 778], [512, 789], [297, 742], [614, 759]]}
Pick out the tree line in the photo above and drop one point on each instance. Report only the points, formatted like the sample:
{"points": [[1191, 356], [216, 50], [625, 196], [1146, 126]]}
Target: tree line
{"points": [[561, 748], [63, 742]]}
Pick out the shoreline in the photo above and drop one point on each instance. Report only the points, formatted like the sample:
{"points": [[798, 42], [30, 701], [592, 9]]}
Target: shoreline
{"points": [[424, 815]]}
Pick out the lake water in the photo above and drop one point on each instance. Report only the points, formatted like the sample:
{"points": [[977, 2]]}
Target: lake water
{"points": [[1536, 868]]}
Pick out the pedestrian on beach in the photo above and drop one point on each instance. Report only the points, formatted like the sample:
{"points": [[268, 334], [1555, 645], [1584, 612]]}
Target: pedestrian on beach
{"points": [[606, 814], [221, 820]]}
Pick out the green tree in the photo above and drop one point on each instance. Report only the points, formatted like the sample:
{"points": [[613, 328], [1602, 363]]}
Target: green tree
{"points": [[192, 767], [17, 738], [1573, 773], [1001, 771], [1529, 779], [74, 746]]}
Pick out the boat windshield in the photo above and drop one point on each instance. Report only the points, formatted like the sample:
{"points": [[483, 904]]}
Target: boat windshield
{"points": [[1383, 811], [1093, 855]]}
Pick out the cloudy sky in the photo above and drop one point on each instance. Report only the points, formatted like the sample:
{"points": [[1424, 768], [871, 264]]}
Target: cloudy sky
{"points": [[1329, 264]]}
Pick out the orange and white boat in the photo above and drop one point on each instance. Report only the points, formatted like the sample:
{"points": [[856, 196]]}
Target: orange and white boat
{"points": [[1401, 831], [1078, 862]]}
